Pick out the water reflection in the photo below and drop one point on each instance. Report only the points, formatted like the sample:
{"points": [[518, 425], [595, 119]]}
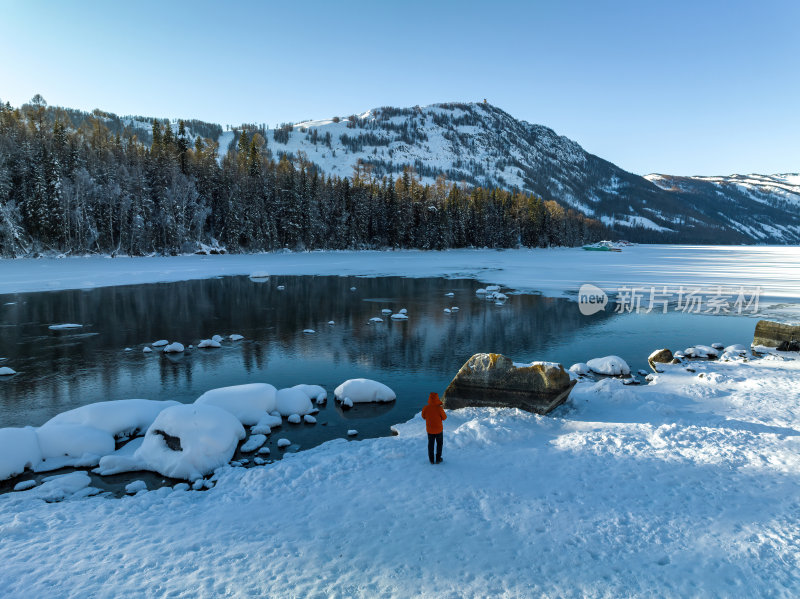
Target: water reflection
{"points": [[59, 370]]}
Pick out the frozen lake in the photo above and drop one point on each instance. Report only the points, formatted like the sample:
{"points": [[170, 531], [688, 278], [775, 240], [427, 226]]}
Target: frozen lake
{"points": [[62, 369]]}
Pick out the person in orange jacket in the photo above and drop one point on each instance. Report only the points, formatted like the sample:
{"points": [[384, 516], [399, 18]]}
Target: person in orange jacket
{"points": [[433, 414]]}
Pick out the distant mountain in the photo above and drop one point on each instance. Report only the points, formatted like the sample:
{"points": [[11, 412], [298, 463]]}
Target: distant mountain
{"points": [[480, 144]]}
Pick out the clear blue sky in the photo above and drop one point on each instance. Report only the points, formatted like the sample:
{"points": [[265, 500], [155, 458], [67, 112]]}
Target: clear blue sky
{"points": [[679, 87]]}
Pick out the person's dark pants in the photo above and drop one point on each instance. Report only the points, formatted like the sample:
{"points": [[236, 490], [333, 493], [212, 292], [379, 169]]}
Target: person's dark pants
{"points": [[437, 438]]}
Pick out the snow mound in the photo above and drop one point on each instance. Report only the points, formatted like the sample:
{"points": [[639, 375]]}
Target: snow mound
{"points": [[701, 351], [87, 443], [293, 401], [64, 327], [249, 403], [580, 368], [314, 392], [19, 449], [283, 443], [6, 371], [25, 485], [174, 348], [610, 365], [217, 338], [207, 434], [364, 391], [160, 343], [123, 417], [208, 343], [352, 432], [294, 418], [253, 443], [309, 419], [61, 486], [265, 425]]}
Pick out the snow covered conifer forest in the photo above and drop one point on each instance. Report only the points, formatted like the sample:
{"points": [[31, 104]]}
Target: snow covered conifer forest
{"points": [[76, 183]]}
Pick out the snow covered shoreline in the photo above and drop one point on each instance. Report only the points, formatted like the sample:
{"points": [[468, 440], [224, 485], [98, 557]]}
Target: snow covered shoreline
{"points": [[687, 486], [553, 272]]}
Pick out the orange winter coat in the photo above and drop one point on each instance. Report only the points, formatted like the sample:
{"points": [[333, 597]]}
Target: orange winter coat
{"points": [[433, 414]]}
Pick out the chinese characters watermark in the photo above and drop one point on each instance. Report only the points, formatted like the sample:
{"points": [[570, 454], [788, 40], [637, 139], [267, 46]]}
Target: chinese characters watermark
{"points": [[717, 299]]}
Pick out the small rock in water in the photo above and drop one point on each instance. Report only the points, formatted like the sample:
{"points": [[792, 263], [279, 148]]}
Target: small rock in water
{"points": [[259, 461], [283, 443], [281, 287], [208, 343], [127, 349], [264, 451], [331, 322], [6, 371], [147, 350], [236, 337], [309, 419], [309, 331], [294, 418], [217, 338], [181, 487], [352, 432], [451, 294], [447, 310], [160, 343], [135, 487], [352, 289], [174, 348], [25, 485], [386, 311], [454, 309]]}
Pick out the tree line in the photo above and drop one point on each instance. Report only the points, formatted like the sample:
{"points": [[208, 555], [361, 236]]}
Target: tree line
{"points": [[85, 188]]}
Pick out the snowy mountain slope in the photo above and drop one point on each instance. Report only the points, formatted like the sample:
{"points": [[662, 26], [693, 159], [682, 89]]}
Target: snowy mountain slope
{"points": [[480, 144]]}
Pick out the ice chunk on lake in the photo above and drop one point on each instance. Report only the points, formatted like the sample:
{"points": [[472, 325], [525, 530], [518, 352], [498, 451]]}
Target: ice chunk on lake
{"points": [[174, 348], [117, 418], [293, 401], [136, 486], [451, 294], [283, 443], [610, 365], [6, 371], [386, 311], [447, 310], [352, 432], [236, 337], [376, 319], [64, 327], [160, 343], [19, 449], [399, 316], [314, 392], [208, 343], [253, 443], [249, 403], [364, 391], [207, 436]]}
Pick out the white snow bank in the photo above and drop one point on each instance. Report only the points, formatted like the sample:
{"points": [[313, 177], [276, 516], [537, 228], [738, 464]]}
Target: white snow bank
{"points": [[610, 365], [208, 438], [74, 441], [117, 418], [293, 401], [364, 391], [249, 403], [19, 449]]}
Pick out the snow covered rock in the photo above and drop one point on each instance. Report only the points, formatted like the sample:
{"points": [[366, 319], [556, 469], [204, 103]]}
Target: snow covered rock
{"points": [[25, 485], [402, 311], [386, 311], [217, 338], [447, 310], [376, 319], [609, 365], [74, 441], [61, 486], [400, 316], [294, 418], [309, 331], [352, 432], [259, 274], [265, 425], [364, 391], [264, 451], [314, 392], [160, 343], [190, 441], [117, 418], [174, 348], [331, 322], [450, 294], [208, 343], [490, 288], [283, 443], [249, 403], [309, 419], [136, 486], [493, 380], [454, 309], [659, 356], [293, 401], [580, 369], [235, 337], [701, 351], [65, 327], [6, 371], [253, 443], [718, 346], [146, 350], [281, 287], [19, 449]]}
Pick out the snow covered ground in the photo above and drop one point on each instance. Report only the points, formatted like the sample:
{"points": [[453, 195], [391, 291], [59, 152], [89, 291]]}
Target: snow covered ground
{"points": [[686, 486], [554, 272]]}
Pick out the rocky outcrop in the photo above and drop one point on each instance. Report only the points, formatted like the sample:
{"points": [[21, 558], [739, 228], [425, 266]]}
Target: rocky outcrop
{"points": [[776, 334], [493, 380], [660, 356]]}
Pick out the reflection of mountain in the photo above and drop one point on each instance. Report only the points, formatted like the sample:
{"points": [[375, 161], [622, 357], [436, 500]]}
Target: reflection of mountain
{"points": [[62, 370]]}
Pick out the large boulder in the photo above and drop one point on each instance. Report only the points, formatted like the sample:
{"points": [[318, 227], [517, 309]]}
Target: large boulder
{"points": [[493, 380], [660, 356], [776, 334]]}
